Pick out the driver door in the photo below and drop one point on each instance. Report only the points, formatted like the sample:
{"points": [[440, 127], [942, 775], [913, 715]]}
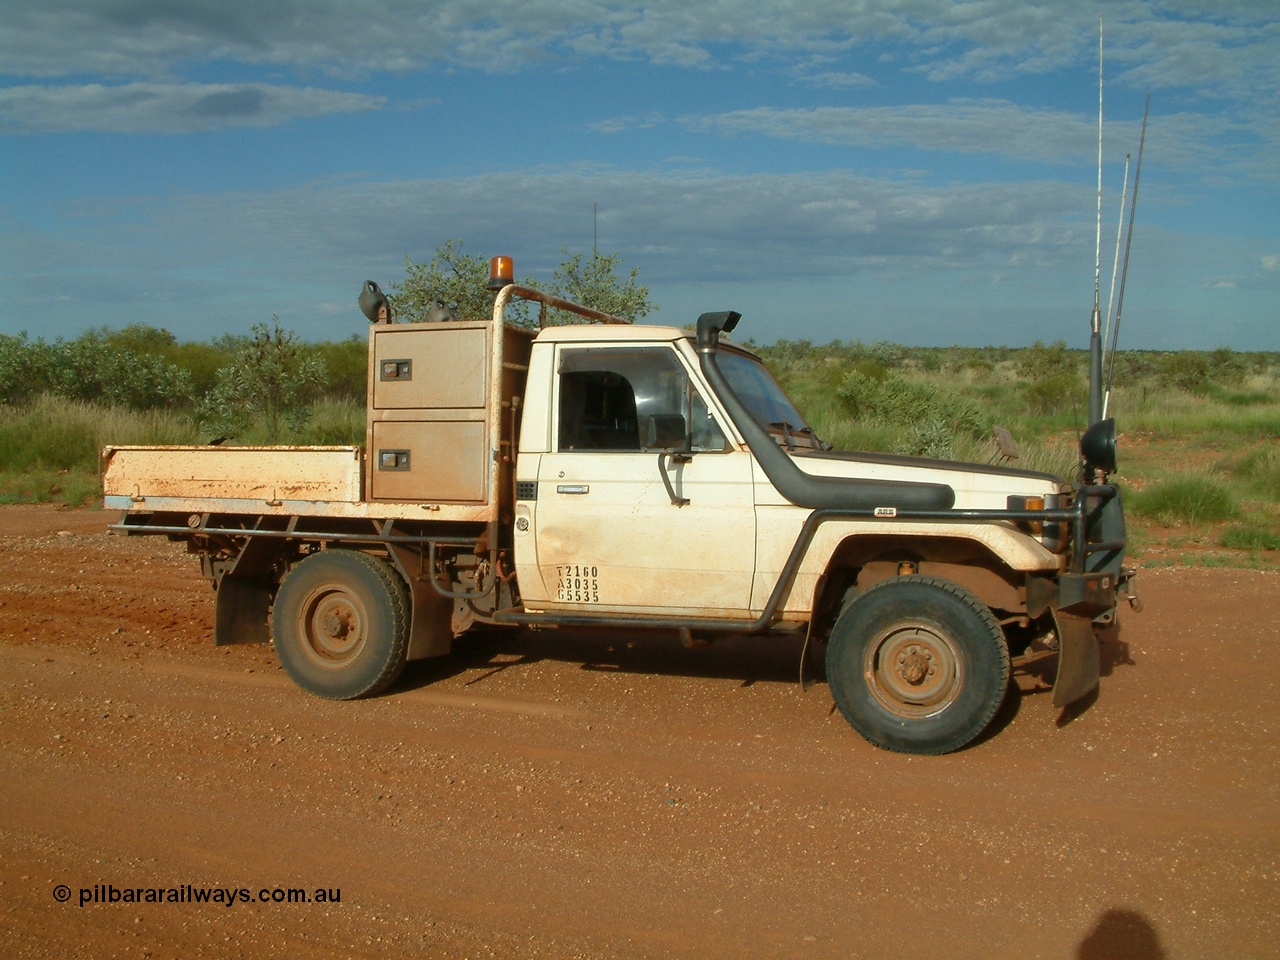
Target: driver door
{"points": [[610, 534]]}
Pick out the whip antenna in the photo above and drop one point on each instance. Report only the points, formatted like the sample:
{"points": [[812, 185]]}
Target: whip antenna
{"points": [[1097, 260], [1115, 263], [1128, 244], [1095, 325]]}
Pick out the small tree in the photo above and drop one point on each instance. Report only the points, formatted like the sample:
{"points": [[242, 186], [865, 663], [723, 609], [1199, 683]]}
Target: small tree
{"points": [[460, 281], [591, 282], [269, 382], [452, 277]]}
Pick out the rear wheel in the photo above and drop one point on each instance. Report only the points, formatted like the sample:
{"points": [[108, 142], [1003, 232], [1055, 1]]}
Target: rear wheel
{"points": [[918, 665], [341, 624]]}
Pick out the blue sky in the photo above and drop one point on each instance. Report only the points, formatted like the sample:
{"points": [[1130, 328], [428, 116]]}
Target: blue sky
{"points": [[920, 171]]}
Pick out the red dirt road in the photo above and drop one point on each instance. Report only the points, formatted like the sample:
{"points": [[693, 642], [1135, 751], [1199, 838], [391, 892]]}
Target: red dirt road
{"points": [[559, 795]]}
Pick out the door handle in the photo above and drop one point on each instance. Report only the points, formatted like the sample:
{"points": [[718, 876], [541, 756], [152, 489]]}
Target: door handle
{"points": [[572, 488]]}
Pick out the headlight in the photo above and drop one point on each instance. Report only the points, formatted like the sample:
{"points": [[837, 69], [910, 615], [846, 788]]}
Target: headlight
{"points": [[1098, 446]]}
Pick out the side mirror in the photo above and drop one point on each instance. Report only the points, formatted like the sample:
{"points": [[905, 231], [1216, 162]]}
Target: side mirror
{"points": [[667, 431]]}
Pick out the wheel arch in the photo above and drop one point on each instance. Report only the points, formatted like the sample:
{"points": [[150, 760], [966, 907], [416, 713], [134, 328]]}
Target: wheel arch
{"points": [[430, 634], [860, 561]]}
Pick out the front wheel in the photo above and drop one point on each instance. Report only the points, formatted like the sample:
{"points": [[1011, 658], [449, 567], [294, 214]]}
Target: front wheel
{"points": [[341, 624], [918, 664]]}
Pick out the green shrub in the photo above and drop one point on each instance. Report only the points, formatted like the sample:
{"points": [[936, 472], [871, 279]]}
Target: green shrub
{"points": [[1260, 470], [1052, 394], [346, 364], [89, 368], [24, 368], [932, 417], [333, 422], [930, 361], [1051, 377], [888, 355], [1187, 370], [1250, 538], [1226, 366], [1190, 497], [932, 437], [265, 390]]}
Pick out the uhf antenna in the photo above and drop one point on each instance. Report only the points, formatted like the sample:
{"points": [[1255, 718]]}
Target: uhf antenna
{"points": [[1095, 324], [1128, 243], [1115, 262]]}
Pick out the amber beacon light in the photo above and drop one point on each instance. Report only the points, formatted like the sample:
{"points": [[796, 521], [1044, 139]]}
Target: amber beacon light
{"points": [[501, 272]]}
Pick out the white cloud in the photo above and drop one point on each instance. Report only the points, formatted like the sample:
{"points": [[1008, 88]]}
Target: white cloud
{"points": [[676, 227], [168, 107], [1200, 61], [966, 127], [646, 121], [1220, 148], [837, 80], [912, 264], [1232, 52]]}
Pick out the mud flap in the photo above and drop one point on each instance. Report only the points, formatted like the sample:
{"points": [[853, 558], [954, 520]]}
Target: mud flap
{"points": [[431, 622], [241, 608], [242, 604], [1078, 658]]}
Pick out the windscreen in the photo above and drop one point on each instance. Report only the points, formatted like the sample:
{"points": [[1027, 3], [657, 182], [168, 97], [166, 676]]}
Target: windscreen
{"points": [[760, 393]]}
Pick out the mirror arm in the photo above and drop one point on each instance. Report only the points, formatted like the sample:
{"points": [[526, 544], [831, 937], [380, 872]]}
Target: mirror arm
{"points": [[666, 481]]}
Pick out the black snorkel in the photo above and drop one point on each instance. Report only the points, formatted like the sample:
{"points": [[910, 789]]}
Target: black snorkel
{"points": [[801, 488]]}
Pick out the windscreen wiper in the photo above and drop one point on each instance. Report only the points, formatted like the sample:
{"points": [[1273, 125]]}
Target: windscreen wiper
{"points": [[788, 439]]}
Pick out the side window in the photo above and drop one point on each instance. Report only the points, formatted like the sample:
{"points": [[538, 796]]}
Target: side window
{"points": [[631, 399]]}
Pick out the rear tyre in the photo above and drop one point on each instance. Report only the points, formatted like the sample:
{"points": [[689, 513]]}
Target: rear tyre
{"points": [[341, 624], [918, 665]]}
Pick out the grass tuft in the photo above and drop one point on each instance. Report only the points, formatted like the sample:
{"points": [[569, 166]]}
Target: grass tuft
{"points": [[1191, 497], [1243, 537]]}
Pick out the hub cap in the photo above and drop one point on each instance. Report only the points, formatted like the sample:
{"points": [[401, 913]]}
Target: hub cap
{"points": [[333, 625], [913, 670]]}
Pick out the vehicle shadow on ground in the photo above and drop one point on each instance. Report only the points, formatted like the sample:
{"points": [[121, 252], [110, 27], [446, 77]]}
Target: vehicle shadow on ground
{"points": [[1115, 652], [745, 659]]}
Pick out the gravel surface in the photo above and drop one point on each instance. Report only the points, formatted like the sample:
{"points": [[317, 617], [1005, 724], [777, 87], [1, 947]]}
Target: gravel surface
{"points": [[561, 794]]}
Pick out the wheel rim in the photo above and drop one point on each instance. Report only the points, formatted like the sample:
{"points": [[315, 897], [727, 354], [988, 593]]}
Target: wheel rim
{"points": [[913, 670], [333, 625]]}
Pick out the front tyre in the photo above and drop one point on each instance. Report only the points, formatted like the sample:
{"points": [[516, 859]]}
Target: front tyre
{"points": [[341, 624], [918, 664]]}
